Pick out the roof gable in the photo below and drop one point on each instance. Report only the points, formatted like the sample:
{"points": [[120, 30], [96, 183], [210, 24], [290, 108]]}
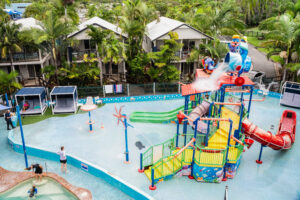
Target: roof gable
{"points": [[164, 25], [28, 23], [96, 21]]}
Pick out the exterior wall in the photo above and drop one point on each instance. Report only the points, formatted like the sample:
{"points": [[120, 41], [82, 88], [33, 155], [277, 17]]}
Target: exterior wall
{"points": [[4, 68], [159, 43], [82, 35], [147, 44], [185, 32], [24, 71]]}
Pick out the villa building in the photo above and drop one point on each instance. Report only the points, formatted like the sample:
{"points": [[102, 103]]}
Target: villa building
{"points": [[30, 61], [157, 32], [85, 45]]}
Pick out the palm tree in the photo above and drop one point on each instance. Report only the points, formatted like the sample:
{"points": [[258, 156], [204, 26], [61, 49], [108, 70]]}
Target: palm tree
{"points": [[218, 19], [284, 33], [61, 8], [9, 41], [136, 15], [163, 69], [215, 49], [114, 51], [53, 30], [8, 83], [99, 36], [3, 2]]}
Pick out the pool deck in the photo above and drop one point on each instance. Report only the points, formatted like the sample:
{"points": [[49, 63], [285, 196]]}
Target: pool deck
{"points": [[9, 179], [105, 148]]}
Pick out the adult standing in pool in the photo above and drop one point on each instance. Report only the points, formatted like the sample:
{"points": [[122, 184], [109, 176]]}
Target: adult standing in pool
{"points": [[8, 119], [62, 159], [38, 171]]}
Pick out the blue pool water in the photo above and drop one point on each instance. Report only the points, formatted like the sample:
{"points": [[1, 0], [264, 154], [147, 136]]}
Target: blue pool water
{"points": [[277, 178]]}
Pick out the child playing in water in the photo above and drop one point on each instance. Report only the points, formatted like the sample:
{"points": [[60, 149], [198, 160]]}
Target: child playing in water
{"points": [[32, 192]]}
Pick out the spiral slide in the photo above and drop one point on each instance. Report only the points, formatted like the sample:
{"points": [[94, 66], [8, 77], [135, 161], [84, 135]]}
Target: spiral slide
{"points": [[157, 117], [285, 137]]}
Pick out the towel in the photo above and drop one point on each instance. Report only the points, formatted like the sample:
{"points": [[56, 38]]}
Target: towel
{"points": [[118, 88], [109, 89]]}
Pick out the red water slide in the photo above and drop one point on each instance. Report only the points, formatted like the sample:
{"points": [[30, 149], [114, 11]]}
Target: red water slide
{"points": [[285, 136]]}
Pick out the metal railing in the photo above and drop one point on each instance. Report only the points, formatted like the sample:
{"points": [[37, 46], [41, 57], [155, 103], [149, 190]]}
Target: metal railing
{"points": [[21, 57], [258, 34], [130, 90], [210, 157], [78, 55], [164, 150]]}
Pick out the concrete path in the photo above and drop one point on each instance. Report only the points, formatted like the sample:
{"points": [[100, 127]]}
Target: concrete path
{"points": [[261, 62]]}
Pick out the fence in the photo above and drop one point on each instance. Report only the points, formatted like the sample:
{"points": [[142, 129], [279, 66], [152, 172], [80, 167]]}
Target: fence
{"points": [[129, 90], [258, 34]]}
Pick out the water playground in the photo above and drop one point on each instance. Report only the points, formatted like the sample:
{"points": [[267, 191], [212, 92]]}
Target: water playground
{"points": [[163, 149]]}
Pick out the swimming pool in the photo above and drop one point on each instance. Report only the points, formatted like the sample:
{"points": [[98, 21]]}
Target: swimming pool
{"points": [[276, 178], [14, 161], [47, 189]]}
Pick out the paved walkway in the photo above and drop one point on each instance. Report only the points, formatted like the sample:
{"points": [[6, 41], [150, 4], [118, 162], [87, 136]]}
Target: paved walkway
{"points": [[261, 62]]}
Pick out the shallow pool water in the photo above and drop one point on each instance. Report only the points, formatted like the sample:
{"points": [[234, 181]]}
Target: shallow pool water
{"points": [[11, 160], [47, 189], [277, 178]]}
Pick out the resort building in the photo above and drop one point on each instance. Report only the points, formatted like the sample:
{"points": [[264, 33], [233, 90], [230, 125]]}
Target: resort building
{"points": [[85, 45], [30, 61], [157, 32]]}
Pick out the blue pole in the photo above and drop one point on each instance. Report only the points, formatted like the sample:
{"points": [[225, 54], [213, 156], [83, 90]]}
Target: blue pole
{"points": [[152, 186], [250, 100], [141, 170], [221, 99], [177, 133], [242, 95], [208, 124], [228, 145], [126, 141], [6, 99], [90, 122], [240, 122], [22, 136], [193, 160], [186, 107], [259, 161], [216, 95]]}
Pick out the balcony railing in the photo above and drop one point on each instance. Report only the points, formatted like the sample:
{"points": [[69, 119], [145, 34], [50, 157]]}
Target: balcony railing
{"points": [[181, 55], [21, 57], [78, 55]]}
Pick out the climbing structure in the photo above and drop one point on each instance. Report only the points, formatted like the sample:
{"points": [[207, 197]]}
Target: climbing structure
{"points": [[210, 145]]}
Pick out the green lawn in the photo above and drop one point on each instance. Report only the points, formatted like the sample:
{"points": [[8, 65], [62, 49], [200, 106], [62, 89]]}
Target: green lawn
{"points": [[37, 118], [255, 42]]}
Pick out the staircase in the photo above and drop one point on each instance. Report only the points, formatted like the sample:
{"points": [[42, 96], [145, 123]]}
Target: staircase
{"points": [[211, 156]]}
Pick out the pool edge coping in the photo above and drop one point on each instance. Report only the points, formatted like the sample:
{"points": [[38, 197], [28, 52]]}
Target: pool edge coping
{"points": [[78, 192], [17, 147]]}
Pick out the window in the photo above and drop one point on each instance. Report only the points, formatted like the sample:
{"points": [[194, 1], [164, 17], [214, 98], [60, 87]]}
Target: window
{"points": [[187, 68], [17, 69], [191, 44], [115, 69], [86, 44], [92, 44]]}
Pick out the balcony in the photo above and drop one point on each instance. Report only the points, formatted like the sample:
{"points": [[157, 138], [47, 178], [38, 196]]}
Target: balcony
{"points": [[78, 55], [182, 55], [21, 57]]}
